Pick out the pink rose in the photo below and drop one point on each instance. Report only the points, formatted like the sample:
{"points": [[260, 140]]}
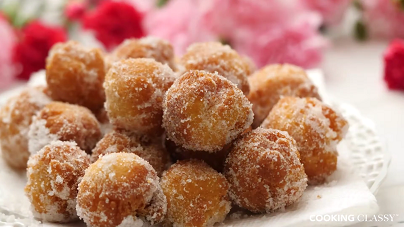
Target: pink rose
{"points": [[384, 18], [113, 22], [75, 10], [178, 22], [270, 31], [393, 65], [7, 40], [332, 11], [298, 43], [228, 17]]}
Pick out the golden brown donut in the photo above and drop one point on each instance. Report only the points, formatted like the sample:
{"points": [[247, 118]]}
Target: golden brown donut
{"points": [[75, 74], [317, 130], [272, 82], [264, 171], [53, 175], [196, 194], [135, 89], [148, 47], [216, 57], [15, 119], [204, 111], [116, 189], [65, 122]]}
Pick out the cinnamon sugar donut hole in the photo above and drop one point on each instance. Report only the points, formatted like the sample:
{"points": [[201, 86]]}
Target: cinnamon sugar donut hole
{"points": [[147, 47], [65, 122], [317, 130], [196, 194], [204, 111], [117, 141], [264, 171], [75, 74], [15, 119], [272, 82], [116, 189], [135, 89], [216, 57], [53, 176]]}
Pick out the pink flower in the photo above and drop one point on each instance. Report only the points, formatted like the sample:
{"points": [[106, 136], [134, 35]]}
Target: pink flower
{"points": [[268, 31], [297, 44], [228, 17], [144, 6], [7, 40], [332, 11], [113, 22], [75, 10], [384, 18], [180, 23], [35, 41], [394, 65]]}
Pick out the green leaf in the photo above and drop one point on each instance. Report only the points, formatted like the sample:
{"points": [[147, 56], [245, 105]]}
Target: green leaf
{"points": [[358, 5], [161, 3], [224, 41], [10, 10], [361, 32]]}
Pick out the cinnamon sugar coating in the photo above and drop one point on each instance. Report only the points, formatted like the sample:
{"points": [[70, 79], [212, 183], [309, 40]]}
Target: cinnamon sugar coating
{"points": [[118, 188], [75, 74], [53, 175], [272, 82], [216, 57], [65, 122], [317, 130], [147, 47], [264, 171], [15, 119], [196, 194], [204, 111], [135, 89]]}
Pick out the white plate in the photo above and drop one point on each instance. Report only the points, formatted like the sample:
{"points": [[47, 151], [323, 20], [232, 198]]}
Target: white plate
{"points": [[362, 154]]}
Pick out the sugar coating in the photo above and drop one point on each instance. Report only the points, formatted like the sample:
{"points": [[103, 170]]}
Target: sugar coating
{"points": [[264, 171], [147, 47], [135, 89], [114, 188], [53, 176], [156, 210], [75, 74], [196, 194], [15, 119], [216, 57], [65, 122], [272, 82], [317, 130], [130, 222], [119, 141], [204, 111]]}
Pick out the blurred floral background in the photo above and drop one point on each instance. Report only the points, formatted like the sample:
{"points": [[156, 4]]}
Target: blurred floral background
{"points": [[266, 31]]}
